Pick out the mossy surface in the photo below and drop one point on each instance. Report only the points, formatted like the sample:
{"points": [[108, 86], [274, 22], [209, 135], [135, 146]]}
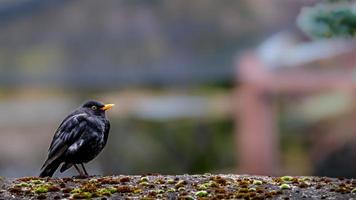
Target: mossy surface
{"points": [[205, 186]]}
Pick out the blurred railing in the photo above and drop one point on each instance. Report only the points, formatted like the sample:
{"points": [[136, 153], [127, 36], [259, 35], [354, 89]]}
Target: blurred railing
{"points": [[283, 65]]}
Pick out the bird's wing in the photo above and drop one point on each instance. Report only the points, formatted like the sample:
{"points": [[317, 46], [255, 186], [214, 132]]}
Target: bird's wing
{"points": [[67, 133]]}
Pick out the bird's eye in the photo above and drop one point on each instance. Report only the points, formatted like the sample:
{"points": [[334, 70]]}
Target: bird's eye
{"points": [[94, 108]]}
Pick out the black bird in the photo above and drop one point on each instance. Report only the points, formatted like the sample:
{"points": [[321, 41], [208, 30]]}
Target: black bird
{"points": [[79, 138]]}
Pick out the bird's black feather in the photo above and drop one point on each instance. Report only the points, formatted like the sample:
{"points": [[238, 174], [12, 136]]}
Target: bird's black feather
{"points": [[67, 133], [79, 138]]}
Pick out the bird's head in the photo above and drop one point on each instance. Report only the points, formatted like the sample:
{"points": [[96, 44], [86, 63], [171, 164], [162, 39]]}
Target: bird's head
{"points": [[96, 107]]}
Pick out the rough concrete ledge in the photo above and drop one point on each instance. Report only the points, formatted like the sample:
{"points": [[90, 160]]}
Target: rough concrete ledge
{"points": [[206, 186]]}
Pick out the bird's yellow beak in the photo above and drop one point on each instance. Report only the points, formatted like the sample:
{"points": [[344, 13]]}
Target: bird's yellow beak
{"points": [[107, 106]]}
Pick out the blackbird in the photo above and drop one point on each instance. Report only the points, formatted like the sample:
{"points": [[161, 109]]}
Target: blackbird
{"points": [[79, 138]]}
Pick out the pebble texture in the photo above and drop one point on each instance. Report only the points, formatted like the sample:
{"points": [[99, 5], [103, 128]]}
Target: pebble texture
{"points": [[206, 186]]}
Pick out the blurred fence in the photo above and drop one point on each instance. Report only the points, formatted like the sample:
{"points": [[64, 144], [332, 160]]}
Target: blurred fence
{"points": [[286, 65]]}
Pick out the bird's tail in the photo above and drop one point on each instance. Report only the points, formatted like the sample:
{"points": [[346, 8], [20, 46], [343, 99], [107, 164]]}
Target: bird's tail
{"points": [[50, 168]]}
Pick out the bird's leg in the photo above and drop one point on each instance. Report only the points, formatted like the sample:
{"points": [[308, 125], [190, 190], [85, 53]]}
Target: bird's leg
{"points": [[81, 175], [85, 171]]}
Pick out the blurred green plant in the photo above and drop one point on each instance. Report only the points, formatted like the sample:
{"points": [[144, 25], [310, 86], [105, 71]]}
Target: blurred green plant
{"points": [[330, 19], [173, 146]]}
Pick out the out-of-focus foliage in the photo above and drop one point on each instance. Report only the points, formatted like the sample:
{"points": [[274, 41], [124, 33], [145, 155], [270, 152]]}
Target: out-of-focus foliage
{"points": [[181, 145], [329, 19]]}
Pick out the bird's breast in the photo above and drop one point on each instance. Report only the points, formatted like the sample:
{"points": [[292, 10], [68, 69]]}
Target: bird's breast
{"points": [[98, 127]]}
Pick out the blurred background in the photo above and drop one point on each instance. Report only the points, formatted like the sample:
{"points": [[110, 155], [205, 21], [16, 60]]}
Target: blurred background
{"points": [[248, 86]]}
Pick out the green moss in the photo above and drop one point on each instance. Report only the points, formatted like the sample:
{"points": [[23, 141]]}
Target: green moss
{"points": [[286, 178], [305, 179], [41, 189], [23, 184], [136, 191], [159, 191], [104, 192], [93, 180], [201, 193], [144, 179], [144, 183], [76, 190], [257, 182], [207, 185], [284, 186], [171, 190], [180, 183], [107, 191], [83, 195], [112, 190], [170, 181], [202, 187], [36, 181], [160, 181]]}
